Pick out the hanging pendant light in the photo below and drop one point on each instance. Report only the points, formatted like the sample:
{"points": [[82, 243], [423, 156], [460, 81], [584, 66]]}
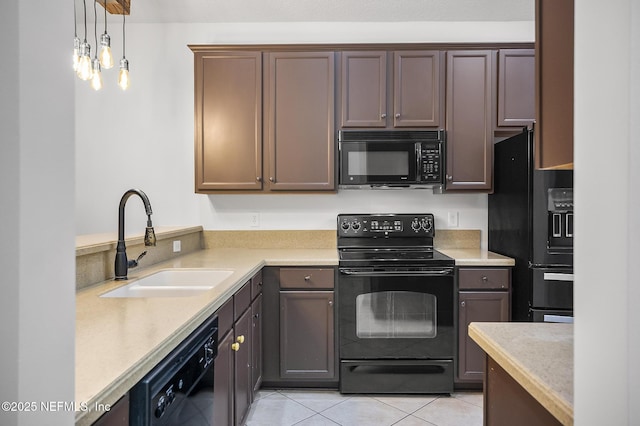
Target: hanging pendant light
{"points": [[96, 75], [84, 64], [76, 40], [123, 75], [106, 57]]}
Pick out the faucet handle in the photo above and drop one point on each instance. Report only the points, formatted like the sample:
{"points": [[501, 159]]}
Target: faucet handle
{"points": [[134, 263]]}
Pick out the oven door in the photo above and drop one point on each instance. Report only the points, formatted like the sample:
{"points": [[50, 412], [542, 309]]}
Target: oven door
{"points": [[378, 163], [396, 313]]}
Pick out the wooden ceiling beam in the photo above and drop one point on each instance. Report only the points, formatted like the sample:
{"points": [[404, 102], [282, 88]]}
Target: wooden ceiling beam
{"points": [[116, 7]]}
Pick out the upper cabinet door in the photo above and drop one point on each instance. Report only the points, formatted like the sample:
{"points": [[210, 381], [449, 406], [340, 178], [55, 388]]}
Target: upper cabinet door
{"points": [[554, 90], [364, 89], [470, 118], [516, 87], [300, 128], [418, 94], [228, 121]]}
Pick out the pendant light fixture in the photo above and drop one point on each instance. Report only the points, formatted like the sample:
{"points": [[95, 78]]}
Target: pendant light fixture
{"points": [[76, 40], [106, 57], [84, 65], [96, 75], [123, 75]]}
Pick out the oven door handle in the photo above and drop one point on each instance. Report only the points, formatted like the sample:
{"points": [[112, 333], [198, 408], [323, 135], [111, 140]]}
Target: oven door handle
{"points": [[367, 273]]}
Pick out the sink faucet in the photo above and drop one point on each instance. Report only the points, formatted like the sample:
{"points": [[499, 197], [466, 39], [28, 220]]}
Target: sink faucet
{"points": [[122, 265]]}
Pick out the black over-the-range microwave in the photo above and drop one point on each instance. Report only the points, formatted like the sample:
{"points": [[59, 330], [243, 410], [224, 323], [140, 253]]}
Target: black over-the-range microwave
{"points": [[391, 158]]}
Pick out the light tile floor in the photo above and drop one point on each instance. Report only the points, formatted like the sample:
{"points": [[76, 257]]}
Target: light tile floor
{"points": [[325, 407]]}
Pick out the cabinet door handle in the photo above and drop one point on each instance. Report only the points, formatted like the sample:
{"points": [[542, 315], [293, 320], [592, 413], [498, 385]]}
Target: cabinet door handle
{"points": [[449, 178], [272, 179], [257, 315], [330, 302], [259, 179], [383, 115], [240, 339], [235, 347], [462, 304], [397, 115]]}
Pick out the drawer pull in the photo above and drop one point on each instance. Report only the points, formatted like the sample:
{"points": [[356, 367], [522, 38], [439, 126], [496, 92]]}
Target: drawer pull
{"points": [[484, 278], [235, 347], [307, 278], [240, 339]]}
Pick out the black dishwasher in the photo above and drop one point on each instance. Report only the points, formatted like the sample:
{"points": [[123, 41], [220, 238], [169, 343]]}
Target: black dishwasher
{"points": [[179, 390]]}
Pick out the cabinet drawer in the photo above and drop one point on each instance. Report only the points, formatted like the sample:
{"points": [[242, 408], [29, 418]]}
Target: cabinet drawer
{"points": [[484, 278], [225, 317], [306, 278], [256, 285], [241, 300]]}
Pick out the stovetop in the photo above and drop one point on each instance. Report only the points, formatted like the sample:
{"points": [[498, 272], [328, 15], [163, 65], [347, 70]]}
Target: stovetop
{"points": [[388, 240]]}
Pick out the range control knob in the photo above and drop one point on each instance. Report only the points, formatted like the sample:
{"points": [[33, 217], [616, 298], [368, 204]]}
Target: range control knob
{"points": [[345, 226], [426, 224], [355, 225], [415, 225]]}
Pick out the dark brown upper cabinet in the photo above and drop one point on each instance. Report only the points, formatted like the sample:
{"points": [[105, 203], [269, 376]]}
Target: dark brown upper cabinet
{"points": [[554, 90], [292, 92], [414, 87], [516, 87], [300, 129], [228, 120], [471, 76], [363, 91], [418, 88]]}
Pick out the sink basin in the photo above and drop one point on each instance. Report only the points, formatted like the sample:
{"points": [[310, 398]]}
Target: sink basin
{"points": [[172, 283]]}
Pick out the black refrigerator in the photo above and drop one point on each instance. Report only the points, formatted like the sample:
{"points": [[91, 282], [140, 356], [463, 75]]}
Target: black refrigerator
{"points": [[531, 220]]}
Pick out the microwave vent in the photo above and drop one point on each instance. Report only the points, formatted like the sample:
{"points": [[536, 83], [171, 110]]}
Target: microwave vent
{"points": [[390, 135]]}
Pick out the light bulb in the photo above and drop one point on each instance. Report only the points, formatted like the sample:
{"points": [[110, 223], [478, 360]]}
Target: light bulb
{"points": [[106, 58], [123, 75], [84, 66], [76, 53], [96, 76]]}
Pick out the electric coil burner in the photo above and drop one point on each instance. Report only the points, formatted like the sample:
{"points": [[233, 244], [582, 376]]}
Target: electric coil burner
{"points": [[396, 306]]}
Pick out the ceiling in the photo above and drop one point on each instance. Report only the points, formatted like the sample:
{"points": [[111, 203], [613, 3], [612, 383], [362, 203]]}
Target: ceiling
{"points": [[238, 11]]}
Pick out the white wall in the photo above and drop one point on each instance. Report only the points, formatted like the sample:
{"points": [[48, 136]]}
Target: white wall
{"points": [[37, 254], [607, 249], [144, 137]]}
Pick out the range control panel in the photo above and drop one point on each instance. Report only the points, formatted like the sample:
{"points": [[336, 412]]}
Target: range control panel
{"points": [[389, 225]]}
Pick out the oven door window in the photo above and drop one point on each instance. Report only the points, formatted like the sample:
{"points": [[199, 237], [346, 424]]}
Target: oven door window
{"points": [[396, 315]]}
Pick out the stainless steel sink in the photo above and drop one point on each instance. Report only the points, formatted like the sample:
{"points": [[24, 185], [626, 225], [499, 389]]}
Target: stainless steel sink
{"points": [[174, 282]]}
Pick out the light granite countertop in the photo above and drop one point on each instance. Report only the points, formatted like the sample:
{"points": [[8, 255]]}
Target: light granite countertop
{"points": [[539, 356], [119, 340], [477, 257]]}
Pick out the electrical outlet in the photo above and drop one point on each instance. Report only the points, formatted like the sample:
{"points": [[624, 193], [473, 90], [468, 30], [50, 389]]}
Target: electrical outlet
{"points": [[254, 220], [177, 246], [452, 219]]}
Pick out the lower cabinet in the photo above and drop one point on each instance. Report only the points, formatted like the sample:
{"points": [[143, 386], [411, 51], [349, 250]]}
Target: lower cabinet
{"points": [[307, 348], [299, 328], [483, 297], [236, 375]]}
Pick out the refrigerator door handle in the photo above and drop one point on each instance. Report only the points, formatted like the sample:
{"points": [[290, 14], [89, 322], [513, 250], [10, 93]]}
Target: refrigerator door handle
{"points": [[555, 276], [558, 318]]}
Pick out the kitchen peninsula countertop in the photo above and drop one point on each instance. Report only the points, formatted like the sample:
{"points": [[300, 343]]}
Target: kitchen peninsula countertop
{"points": [[539, 356], [119, 340]]}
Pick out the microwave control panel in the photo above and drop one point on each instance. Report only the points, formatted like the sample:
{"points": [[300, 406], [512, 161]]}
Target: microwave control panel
{"points": [[430, 162]]}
